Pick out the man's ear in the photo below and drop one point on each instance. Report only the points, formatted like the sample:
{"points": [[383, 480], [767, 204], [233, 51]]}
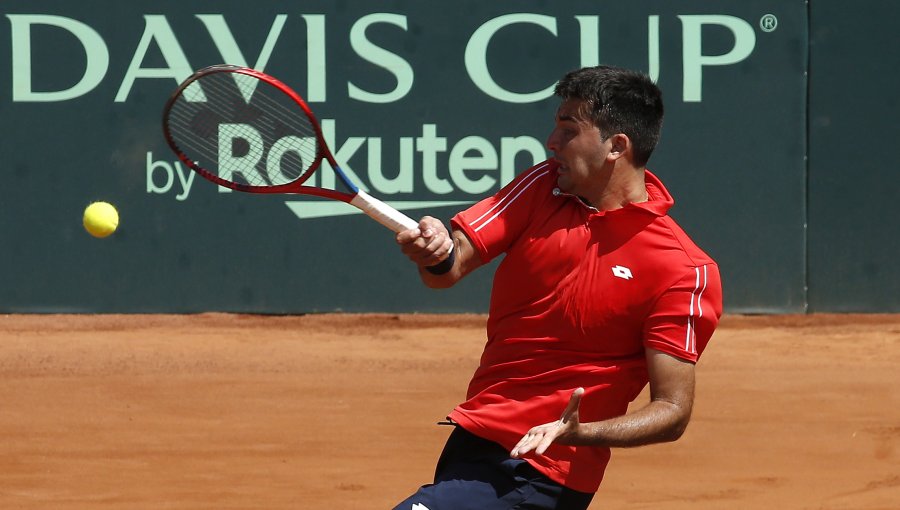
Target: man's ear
{"points": [[620, 145]]}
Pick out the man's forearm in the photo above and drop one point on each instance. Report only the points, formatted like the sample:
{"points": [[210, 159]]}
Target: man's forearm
{"points": [[658, 422]]}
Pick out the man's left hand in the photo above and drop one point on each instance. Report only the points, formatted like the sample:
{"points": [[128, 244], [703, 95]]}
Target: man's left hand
{"points": [[541, 437]]}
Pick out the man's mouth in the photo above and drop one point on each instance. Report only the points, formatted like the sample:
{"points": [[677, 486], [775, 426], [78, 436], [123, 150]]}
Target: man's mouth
{"points": [[560, 166]]}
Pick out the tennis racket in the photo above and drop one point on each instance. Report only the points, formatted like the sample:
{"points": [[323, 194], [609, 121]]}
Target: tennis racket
{"points": [[247, 131]]}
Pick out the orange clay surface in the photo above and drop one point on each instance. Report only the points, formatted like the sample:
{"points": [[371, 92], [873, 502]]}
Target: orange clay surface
{"points": [[323, 412]]}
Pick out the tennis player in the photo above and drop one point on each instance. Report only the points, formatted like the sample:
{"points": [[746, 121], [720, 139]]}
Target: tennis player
{"points": [[600, 292]]}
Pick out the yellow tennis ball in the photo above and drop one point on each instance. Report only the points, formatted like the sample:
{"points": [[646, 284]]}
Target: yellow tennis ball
{"points": [[100, 219]]}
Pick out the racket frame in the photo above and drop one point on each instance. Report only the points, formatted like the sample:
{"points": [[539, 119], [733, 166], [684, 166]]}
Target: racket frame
{"points": [[378, 210]]}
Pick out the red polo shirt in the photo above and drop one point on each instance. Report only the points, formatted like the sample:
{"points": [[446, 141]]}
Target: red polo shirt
{"points": [[577, 298]]}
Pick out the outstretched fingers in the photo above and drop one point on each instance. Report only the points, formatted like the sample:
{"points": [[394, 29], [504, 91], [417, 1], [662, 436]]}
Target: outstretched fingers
{"points": [[539, 438]]}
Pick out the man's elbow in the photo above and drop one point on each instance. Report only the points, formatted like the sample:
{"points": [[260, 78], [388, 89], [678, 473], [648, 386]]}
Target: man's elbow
{"points": [[437, 284], [679, 418], [677, 430]]}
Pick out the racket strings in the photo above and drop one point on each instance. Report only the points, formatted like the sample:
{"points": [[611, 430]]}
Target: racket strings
{"points": [[267, 141]]}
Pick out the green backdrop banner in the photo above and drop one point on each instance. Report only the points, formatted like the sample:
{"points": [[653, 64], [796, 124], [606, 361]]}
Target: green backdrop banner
{"points": [[854, 195], [429, 108]]}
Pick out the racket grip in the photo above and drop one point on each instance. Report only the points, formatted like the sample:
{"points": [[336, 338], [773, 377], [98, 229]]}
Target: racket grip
{"points": [[383, 213]]}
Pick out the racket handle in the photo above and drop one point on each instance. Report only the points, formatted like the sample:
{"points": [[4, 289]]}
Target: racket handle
{"points": [[383, 213]]}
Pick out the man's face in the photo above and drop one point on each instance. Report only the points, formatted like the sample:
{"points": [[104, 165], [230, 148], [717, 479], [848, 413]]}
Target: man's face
{"points": [[579, 149]]}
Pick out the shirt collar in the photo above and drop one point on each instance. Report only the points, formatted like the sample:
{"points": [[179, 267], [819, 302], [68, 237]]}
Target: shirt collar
{"points": [[659, 200]]}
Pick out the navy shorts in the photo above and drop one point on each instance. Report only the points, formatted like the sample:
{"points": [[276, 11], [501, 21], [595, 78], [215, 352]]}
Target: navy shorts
{"points": [[477, 474]]}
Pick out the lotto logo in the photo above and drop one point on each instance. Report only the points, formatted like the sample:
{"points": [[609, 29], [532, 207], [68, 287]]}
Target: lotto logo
{"points": [[622, 272]]}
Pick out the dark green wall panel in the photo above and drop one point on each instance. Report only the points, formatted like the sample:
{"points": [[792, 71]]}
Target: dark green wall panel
{"points": [[854, 177], [733, 151]]}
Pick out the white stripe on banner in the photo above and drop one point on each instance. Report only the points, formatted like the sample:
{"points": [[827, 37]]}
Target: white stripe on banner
{"points": [[503, 201]]}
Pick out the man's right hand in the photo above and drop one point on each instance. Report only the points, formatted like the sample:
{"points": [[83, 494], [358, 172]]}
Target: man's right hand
{"points": [[427, 245]]}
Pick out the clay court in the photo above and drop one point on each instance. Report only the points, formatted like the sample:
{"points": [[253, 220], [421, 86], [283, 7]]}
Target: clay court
{"points": [[317, 412]]}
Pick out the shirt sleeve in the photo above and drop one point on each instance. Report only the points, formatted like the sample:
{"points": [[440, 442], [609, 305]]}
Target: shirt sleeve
{"points": [[685, 316], [494, 223]]}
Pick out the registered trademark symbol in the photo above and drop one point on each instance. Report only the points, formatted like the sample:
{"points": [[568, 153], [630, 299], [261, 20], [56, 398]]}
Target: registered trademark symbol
{"points": [[768, 23]]}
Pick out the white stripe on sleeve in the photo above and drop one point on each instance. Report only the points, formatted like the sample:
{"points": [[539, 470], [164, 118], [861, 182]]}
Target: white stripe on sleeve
{"points": [[690, 341], [510, 197]]}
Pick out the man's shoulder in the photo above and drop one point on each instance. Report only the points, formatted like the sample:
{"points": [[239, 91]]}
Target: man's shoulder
{"points": [[542, 175], [687, 251], [521, 196]]}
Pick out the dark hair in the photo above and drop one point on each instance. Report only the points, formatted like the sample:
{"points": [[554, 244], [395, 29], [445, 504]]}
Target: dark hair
{"points": [[620, 101]]}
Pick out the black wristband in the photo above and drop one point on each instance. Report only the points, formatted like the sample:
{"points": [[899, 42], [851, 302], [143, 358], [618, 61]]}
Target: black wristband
{"points": [[443, 266]]}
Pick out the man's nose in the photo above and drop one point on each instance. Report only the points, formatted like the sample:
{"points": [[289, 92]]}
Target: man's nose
{"points": [[551, 142]]}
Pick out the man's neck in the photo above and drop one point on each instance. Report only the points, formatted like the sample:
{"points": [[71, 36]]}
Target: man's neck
{"points": [[626, 185]]}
